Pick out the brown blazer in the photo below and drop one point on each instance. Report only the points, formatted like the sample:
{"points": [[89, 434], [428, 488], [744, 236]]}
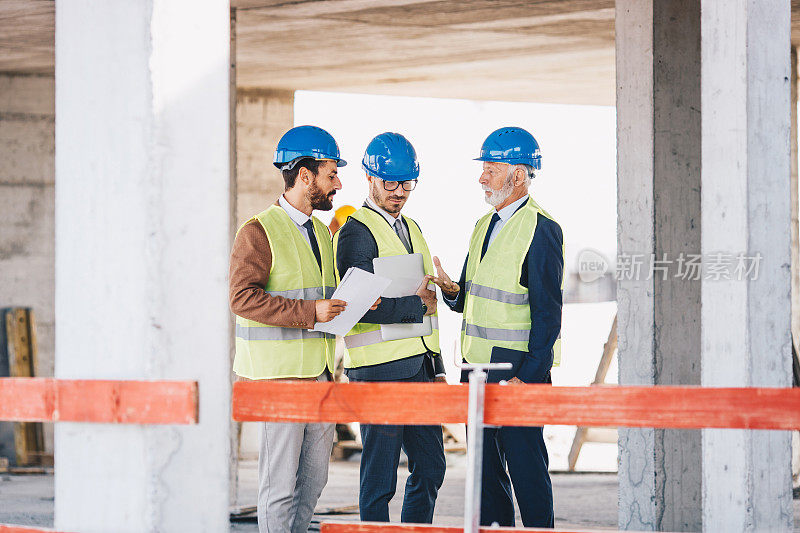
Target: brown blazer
{"points": [[251, 262]]}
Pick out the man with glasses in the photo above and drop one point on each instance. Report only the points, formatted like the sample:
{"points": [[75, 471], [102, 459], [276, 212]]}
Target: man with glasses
{"points": [[379, 230]]}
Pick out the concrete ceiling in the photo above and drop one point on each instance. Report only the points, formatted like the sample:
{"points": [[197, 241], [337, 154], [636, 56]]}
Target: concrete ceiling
{"points": [[536, 50]]}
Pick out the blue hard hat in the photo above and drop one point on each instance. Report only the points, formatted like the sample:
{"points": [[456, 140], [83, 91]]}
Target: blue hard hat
{"points": [[306, 141], [511, 145], [391, 157]]}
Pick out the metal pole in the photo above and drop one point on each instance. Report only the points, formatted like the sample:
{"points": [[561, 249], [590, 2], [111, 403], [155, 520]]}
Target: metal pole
{"points": [[472, 487], [472, 491]]}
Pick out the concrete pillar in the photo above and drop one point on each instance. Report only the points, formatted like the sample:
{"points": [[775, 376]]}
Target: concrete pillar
{"points": [[27, 204], [746, 210], [658, 131], [795, 199], [143, 227], [262, 116]]}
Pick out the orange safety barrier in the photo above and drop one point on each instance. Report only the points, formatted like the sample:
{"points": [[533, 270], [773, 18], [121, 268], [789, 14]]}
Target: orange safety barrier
{"points": [[104, 401], [7, 528], [383, 527], [518, 405]]}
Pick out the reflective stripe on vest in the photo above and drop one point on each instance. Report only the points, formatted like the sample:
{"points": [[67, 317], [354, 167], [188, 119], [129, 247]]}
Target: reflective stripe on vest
{"points": [[270, 333], [310, 293], [497, 295], [495, 334], [266, 352], [364, 343], [374, 337], [496, 305]]}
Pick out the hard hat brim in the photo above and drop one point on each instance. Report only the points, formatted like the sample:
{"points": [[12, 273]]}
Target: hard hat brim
{"points": [[285, 160], [536, 163]]}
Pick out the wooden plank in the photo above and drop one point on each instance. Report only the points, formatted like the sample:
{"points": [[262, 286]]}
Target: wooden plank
{"points": [[519, 405], [383, 527], [608, 354], [602, 435], [582, 435], [575, 449], [103, 401], [28, 436]]}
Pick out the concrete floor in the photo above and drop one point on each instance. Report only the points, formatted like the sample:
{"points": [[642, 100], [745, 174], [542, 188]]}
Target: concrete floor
{"points": [[587, 501]]}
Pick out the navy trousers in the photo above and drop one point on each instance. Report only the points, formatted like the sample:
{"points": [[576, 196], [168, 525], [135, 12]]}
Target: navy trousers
{"points": [[522, 451], [379, 460]]}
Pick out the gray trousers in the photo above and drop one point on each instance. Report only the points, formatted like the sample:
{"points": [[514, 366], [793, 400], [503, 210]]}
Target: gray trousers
{"points": [[292, 471]]}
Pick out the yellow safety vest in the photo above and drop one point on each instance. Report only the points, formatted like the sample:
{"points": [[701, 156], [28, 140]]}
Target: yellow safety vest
{"points": [[496, 308], [269, 352], [364, 344]]}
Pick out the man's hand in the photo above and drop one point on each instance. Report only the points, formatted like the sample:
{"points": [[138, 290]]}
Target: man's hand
{"points": [[449, 287], [440, 379], [515, 381], [428, 296], [375, 305], [327, 310]]}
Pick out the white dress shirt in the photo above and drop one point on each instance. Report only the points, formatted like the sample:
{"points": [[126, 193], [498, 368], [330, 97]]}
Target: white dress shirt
{"points": [[391, 219], [505, 214], [297, 216]]}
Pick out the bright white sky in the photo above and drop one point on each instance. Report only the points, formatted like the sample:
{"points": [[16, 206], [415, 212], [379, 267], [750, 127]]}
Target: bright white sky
{"points": [[577, 186], [577, 183]]}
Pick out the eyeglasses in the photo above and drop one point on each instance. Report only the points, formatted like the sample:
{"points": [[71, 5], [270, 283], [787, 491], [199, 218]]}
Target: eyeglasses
{"points": [[408, 185]]}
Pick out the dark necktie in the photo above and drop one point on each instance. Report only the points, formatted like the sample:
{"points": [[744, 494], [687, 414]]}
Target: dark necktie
{"points": [[398, 228], [312, 240], [494, 220]]}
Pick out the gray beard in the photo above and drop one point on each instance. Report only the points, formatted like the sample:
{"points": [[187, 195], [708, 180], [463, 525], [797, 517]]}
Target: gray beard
{"points": [[499, 196]]}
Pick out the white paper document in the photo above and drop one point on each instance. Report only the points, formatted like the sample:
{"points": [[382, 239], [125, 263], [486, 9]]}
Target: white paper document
{"points": [[359, 289], [406, 273]]}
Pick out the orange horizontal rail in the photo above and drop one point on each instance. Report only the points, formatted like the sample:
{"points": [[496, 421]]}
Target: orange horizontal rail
{"points": [[8, 528], [519, 405], [382, 527], [104, 401]]}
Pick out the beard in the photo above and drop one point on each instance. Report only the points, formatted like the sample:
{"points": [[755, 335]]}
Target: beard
{"points": [[392, 209], [318, 198], [500, 195]]}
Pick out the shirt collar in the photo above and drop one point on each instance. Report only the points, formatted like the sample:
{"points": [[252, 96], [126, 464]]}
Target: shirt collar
{"points": [[510, 209], [389, 218], [297, 216]]}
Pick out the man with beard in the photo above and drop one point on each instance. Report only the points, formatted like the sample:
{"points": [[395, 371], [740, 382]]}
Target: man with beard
{"points": [[379, 230], [510, 294], [280, 275]]}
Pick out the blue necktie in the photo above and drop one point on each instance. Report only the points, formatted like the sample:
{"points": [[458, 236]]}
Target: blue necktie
{"points": [[495, 219], [312, 240]]}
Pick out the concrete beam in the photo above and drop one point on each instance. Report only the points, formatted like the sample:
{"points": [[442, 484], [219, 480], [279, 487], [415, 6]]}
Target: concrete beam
{"points": [[795, 202], [143, 227], [658, 122], [746, 210]]}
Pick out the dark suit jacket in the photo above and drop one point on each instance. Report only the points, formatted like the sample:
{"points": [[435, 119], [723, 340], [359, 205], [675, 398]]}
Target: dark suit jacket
{"points": [[357, 248], [541, 274]]}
